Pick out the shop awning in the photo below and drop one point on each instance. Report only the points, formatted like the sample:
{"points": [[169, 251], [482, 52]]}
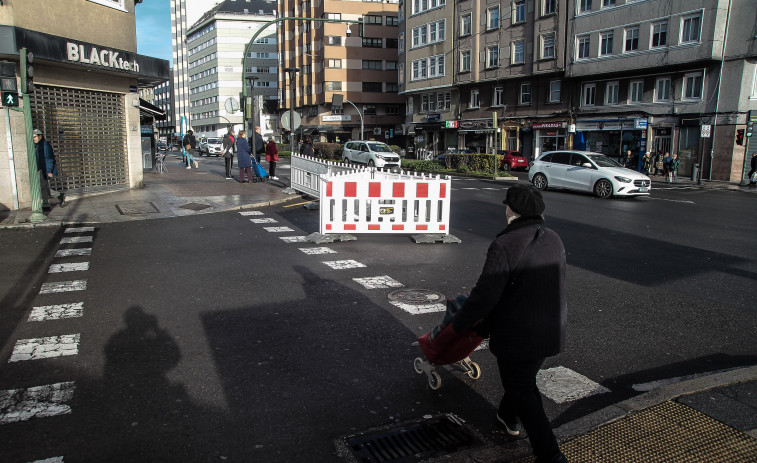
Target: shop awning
{"points": [[148, 109]]}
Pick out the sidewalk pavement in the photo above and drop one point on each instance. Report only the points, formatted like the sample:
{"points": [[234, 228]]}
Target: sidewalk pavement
{"points": [[177, 192]]}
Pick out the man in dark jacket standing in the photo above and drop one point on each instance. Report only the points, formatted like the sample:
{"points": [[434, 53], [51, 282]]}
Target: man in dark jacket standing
{"points": [[46, 167], [520, 296], [229, 146], [259, 148], [753, 165]]}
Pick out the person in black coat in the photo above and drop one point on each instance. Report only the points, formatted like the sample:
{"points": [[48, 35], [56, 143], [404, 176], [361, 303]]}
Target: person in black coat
{"points": [[519, 300], [244, 157], [752, 180]]}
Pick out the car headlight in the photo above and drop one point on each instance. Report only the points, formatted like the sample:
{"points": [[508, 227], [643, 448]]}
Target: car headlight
{"points": [[380, 156], [623, 179]]}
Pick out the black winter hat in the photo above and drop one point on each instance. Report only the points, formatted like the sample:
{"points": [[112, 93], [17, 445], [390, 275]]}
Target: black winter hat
{"points": [[524, 200]]}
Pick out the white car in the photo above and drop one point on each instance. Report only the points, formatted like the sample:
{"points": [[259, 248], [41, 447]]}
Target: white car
{"points": [[587, 171], [211, 146], [372, 153]]}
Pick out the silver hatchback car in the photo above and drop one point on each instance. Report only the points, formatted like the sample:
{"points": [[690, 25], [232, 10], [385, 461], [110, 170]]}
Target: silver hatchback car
{"points": [[372, 153]]}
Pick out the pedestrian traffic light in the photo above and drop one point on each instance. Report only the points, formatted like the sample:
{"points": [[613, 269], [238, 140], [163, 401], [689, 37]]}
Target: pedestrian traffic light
{"points": [[740, 136], [27, 71]]}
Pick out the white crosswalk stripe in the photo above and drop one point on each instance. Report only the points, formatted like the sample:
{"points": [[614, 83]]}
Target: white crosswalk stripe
{"points": [[264, 220], [75, 239], [79, 229], [71, 267], [343, 264], [277, 229], [417, 309], [316, 251], [565, 385], [47, 347], [294, 239], [35, 402], [63, 286], [383, 281], [251, 213], [74, 252], [56, 312], [50, 460]]}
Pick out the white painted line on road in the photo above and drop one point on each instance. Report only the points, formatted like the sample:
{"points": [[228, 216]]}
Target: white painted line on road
{"points": [[343, 264], [74, 252], [264, 220], [79, 229], [56, 312], [47, 347], [76, 239], [294, 239], [315, 251], [50, 460], [417, 309], [71, 267], [652, 385], [277, 229], [384, 281], [484, 345], [251, 213], [35, 402], [673, 200], [63, 286], [565, 385]]}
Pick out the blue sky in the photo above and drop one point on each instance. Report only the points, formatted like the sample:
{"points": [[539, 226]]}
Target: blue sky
{"points": [[154, 29]]}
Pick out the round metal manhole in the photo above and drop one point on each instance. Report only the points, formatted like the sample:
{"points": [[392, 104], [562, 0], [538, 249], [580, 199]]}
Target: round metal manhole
{"points": [[416, 296]]}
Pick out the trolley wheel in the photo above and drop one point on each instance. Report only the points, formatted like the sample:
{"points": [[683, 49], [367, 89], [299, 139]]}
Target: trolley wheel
{"points": [[475, 372], [417, 365], [254, 180], [434, 380]]}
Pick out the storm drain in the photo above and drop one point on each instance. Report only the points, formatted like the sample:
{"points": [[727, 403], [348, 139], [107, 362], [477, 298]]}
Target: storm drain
{"points": [[429, 438], [195, 206], [137, 208]]}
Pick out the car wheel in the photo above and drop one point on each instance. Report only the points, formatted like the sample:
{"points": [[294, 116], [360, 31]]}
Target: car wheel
{"points": [[506, 167], [540, 182], [603, 189]]}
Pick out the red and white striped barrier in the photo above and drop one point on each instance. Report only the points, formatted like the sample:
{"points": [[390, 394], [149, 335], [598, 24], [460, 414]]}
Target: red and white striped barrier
{"points": [[378, 202]]}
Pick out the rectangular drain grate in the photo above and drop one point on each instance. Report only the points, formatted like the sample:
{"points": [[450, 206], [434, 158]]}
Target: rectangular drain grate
{"points": [[412, 442]]}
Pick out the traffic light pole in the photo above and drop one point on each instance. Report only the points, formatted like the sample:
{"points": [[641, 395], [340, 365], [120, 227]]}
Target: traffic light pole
{"points": [[35, 191]]}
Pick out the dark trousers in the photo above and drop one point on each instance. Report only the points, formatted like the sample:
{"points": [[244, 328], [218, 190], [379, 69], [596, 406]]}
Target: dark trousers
{"points": [[522, 399], [272, 168], [229, 164], [242, 171]]}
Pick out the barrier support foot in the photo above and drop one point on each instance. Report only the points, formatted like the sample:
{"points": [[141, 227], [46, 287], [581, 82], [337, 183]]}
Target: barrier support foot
{"points": [[318, 238], [435, 237], [289, 191]]}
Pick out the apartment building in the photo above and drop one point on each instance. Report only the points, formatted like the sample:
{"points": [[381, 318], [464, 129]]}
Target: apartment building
{"points": [[362, 67], [163, 99]]}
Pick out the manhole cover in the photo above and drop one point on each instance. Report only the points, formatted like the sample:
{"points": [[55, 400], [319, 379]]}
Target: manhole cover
{"points": [[137, 208], [416, 296], [430, 437], [195, 206]]}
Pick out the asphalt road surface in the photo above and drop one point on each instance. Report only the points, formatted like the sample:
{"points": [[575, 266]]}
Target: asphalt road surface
{"points": [[212, 338]]}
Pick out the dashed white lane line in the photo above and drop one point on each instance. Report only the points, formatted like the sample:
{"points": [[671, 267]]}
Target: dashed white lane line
{"points": [[294, 239], [277, 229], [264, 220], [251, 213], [74, 252], [75, 239], [344, 264], [47, 347], [316, 251], [63, 286], [565, 385], [71, 267], [56, 312], [35, 402], [79, 229], [379, 282]]}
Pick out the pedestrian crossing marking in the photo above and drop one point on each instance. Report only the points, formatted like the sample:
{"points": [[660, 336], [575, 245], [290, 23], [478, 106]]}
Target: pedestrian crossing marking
{"points": [[417, 309], [264, 220], [74, 252], [35, 402], [50, 460], [71, 267], [315, 251], [76, 239], [56, 312], [251, 213], [277, 229], [562, 385], [47, 347], [379, 282], [79, 229], [294, 239], [344, 264], [63, 286]]}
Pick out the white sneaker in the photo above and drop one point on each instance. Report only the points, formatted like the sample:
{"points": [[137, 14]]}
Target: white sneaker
{"points": [[274, 178], [189, 167], [197, 166]]}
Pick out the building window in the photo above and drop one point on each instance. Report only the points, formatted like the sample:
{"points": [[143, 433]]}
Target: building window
{"points": [[691, 29], [332, 86], [659, 34], [334, 63], [373, 42], [554, 91], [392, 109], [465, 24], [589, 95], [548, 45], [662, 89], [117, 4], [606, 3], [519, 11], [492, 18], [391, 65], [428, 33], [548, 7], [373, 19], [692, 84], [525, 94], [636, 91], [333, 15], [392, 21], [392, 87], [611, 93], [474, 98], [369, 109], [428, 67], [333, 40], [499, 96], [584, 6], [392, 43], [373, 64], [424, 103], [337, 109], [632, 38], [465, 61], [606, 43], [372, 87], [519, 52], [492, 57], [584, 46]]}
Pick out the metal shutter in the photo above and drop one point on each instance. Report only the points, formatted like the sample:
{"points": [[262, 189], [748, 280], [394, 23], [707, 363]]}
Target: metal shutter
{"points": [[87, 132]]}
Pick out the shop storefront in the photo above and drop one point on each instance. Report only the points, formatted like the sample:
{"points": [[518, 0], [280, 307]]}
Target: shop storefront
{"points": [[477, 135], [549, 136], [612, 138]]}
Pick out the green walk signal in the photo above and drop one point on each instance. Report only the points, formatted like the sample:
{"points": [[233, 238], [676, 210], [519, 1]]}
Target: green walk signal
{"points": [[10, 99]]}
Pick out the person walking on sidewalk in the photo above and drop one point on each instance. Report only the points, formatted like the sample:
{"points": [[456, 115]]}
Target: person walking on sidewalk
{"points": [[244, 157], [666, 167], [229, 147], [753, 172], [674, 165], [519, 300], [190, 146], [259, 147], [307, 147], [658, 163], [272, 156], [47, 168], [646, 163]]}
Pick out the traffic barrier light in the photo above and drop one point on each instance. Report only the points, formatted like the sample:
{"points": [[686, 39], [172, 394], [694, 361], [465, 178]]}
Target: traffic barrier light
{"points": [[740, 136], [27, 71]]}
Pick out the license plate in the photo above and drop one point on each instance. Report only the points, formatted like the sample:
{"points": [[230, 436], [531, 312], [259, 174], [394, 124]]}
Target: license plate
{"points": [[643, 190], [386, 210]]}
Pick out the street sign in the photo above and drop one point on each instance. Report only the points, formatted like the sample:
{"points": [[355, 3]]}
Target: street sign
{"points": [[231, 105], [706, 131], [285, 120], [10, 99]]}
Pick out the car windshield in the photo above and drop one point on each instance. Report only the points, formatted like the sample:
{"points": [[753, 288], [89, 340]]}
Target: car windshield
{"points": [[214, 140], [379, 148], [602, 161]]}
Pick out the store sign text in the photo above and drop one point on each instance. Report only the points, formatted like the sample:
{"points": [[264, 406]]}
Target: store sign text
{"points": [[105, 58]]}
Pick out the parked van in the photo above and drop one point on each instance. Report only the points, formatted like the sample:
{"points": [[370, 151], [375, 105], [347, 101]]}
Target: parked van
{"points": [[372, 153]]}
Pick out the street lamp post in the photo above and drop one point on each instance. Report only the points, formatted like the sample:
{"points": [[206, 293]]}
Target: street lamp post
{"points": [[362, 123], [251, 136], [292, 76]]}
